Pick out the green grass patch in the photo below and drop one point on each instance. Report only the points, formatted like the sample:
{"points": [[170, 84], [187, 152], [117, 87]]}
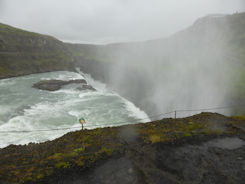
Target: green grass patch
{"points": [[57, 156], [238, 117], [79, 150], [63, 165]]}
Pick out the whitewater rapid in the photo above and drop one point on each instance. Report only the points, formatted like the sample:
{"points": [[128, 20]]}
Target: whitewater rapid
{"points": [[26, 113]]}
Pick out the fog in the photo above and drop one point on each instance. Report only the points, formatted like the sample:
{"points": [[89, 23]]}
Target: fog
{"points": [[101, 22], [188, 70], [192, 69]]}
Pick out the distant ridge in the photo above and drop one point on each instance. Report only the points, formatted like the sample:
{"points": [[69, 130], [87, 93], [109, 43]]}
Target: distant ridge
{"points": [[23, 52]]}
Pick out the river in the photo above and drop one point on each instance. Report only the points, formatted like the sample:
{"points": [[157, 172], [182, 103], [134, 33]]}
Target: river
{"points": [[31, 115]]}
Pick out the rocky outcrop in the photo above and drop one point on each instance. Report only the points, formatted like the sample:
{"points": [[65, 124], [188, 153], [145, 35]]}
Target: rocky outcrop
{"points": [[54, 85], [86, 87], [170, 151]]}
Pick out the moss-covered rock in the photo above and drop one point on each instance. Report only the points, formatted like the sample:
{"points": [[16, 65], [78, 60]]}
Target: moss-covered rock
{"points": [[77, 151]]}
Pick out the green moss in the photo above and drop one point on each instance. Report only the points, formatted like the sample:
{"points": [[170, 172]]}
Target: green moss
{"points": [[212, 132], [3, 70], [71, 154], [74, 153], [57, 156], [85, 148], [98, 131], [239, 117], [191, 127], [79, 150], [103, 152], [170, 132], [80, 162], [187, 134], [155, 138], [61, 156], [107, 151], [39, 176], [63, 165]]}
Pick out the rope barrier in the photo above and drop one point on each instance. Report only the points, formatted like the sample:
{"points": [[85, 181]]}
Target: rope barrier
{"points": [[117, 123], [207, 109], [90, 153]]}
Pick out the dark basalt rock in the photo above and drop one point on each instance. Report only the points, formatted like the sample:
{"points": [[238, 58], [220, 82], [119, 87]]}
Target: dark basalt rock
{"points": [[86, 87], [54, 85]]}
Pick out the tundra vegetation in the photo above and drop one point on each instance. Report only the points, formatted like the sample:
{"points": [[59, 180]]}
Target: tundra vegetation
{"points": [[79, 151]]}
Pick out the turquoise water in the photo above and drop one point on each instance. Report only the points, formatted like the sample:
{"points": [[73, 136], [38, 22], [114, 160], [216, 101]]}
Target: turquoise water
{"points": [[23, 108]]}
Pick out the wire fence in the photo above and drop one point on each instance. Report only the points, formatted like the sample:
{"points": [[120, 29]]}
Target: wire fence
{"points": [[130, 122], [149, 117]]}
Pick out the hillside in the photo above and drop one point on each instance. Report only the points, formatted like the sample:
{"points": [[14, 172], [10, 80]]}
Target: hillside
{"points": [[201, 66], [211, 51], [23, 52], [205, 148]]}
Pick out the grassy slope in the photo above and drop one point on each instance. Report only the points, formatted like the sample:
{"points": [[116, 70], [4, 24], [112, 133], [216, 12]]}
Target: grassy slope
{"points": [[78, 151], [23, 52]]}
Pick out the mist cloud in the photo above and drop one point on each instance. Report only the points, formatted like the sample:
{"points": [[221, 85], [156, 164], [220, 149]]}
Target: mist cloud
{"points": [[99, 21]]}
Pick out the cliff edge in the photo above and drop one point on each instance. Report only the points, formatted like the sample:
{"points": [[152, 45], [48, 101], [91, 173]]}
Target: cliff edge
{"points": [[205, 148]]}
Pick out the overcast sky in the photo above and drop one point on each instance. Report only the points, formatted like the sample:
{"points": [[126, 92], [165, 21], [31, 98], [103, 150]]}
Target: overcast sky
{"points": [[105, 21]]}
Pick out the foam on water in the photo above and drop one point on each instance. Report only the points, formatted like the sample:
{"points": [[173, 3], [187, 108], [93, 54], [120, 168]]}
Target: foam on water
{"points": [[23, 108], [101, 86], [136, 112], [65, 76]]}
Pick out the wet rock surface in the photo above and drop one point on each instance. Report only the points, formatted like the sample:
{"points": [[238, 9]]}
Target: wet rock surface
{"points": [[86, 87], [186, 150], [54, 85], [117, 170], [168, 164], [200, 164]]}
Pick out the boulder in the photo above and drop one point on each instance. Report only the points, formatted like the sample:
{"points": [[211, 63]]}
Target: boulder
{"points": [[86, 87], [54, 85]]}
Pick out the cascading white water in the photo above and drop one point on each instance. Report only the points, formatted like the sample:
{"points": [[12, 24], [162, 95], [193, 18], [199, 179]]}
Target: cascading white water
{"points": [[23, 108]]}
